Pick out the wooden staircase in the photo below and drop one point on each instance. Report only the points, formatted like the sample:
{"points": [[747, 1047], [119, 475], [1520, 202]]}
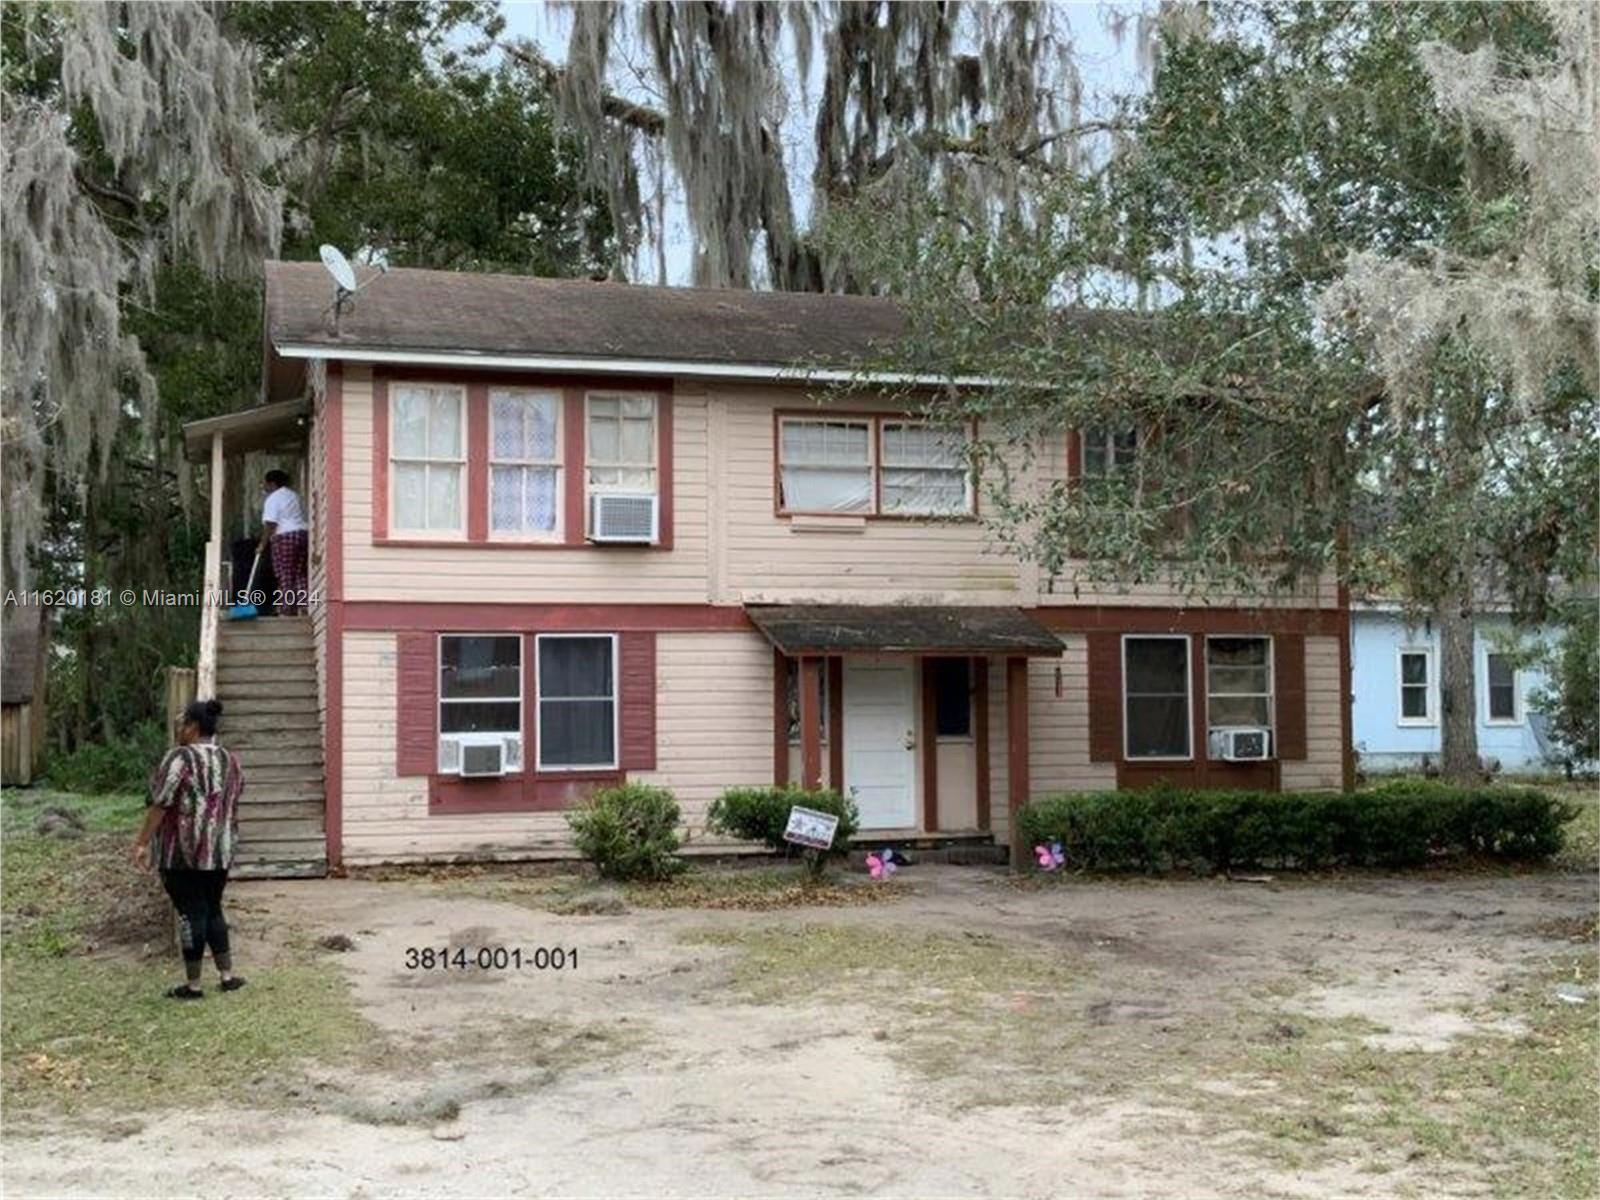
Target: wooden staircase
{"points": [[267, 682]]}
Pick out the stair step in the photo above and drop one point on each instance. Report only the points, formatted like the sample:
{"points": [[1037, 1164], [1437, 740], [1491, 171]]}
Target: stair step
{"points": [[280, 672], [254, 808], [310, 867], [260, 834], [263, 732], [276, 777], [265, 656], [266, 704], [270, 793], [267, 689]]}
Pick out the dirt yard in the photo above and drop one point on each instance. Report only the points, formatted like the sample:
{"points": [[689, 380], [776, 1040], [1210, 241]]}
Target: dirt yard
{"points": [[962, 1034]]}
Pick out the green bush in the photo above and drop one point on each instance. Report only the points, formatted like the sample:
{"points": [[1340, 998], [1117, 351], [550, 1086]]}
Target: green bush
{"points": [[629, 832], [1404, 823], [761, 814], [120, 765]]}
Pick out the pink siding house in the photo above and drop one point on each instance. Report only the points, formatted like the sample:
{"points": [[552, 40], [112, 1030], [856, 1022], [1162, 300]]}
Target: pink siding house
{"points": [[567, 533]]}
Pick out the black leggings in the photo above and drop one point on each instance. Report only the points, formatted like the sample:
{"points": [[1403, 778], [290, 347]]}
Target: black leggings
{"points": [[197, 895]]}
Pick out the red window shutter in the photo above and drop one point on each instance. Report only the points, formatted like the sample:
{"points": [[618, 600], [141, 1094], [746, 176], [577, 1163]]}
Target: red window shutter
{"points": [[637, 672], [417, 704], [1105, 697], [1289, 682]]}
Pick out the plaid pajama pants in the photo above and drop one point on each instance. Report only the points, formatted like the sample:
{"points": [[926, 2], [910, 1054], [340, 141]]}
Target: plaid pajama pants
{"points": [[289, 565]]}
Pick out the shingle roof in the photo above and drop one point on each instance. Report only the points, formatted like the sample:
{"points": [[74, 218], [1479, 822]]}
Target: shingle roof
{"points": [[903, 629], [411, 309]]}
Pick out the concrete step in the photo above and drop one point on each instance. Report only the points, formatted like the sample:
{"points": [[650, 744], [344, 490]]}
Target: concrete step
{"points": [[255, 730], [265, 757], [285, 671], [306, 861], [253, 703], [259, 834], [258, 792], [265, 656], [277, 690], [277, 777]]}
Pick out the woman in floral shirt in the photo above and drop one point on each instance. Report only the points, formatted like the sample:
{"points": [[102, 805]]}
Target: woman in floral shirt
{"points": [[189, 835]]}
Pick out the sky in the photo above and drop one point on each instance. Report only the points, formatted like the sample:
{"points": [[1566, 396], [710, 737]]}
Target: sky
{"points": [[1108, 66]]}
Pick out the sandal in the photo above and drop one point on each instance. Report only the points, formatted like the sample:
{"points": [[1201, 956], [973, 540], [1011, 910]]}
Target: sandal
{"points": [[183, 991], [233, 985]]}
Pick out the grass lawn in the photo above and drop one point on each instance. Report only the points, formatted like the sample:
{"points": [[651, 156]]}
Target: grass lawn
{"points": [[86, 953]]}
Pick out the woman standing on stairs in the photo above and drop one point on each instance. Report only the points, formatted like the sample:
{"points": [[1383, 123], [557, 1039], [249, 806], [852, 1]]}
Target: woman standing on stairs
{"points": [[189, 834]]}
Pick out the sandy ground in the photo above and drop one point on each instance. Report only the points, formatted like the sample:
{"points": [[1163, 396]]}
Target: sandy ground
{"points": [[650, 1071]]}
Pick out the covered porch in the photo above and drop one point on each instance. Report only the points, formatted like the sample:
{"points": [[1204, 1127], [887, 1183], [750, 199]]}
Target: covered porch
{"points": [[901, 708], [238, 448]]}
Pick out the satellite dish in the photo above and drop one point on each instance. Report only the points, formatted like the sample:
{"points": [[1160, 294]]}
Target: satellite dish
{"points": [[339, 267]]}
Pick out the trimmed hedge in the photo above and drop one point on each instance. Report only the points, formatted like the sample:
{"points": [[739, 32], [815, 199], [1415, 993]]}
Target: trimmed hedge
{"points": [[629, 832], [761, 814], [1399, 824]]}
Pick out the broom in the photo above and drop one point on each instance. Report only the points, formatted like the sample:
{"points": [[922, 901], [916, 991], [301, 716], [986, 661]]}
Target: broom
{"points": [[247, 612]]}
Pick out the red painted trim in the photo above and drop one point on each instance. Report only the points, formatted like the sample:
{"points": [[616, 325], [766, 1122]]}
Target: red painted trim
{"points": [[1199, 751], [930, 747], [664, 480], [810, 723], [333, 620], [433, 373], [980, 667], [457, 617], [836, 725], [780, 719], [380, 457], [1074, 456], [1018, 783], [1139, 619], [477, 463], [574, 445]]}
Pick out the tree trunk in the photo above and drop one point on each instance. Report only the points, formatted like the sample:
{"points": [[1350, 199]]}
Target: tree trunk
{"points": [[1458, 719]]}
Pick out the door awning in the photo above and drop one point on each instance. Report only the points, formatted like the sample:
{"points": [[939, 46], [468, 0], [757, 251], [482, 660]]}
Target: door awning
{"points": [[797, 629], [265, 427]]}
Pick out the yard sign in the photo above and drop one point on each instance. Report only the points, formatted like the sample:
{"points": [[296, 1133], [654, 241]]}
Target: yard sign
{"points": [[808, 827]]}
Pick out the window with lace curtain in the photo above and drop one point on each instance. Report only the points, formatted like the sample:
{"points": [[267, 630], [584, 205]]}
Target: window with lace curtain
{"points": [[524, 463]]}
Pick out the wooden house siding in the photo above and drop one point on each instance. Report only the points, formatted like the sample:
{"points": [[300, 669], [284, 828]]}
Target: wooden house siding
{"points": [[1058, 694], [1323, 764]]}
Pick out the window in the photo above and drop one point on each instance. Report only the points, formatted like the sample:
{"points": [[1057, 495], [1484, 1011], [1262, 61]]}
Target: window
{"points": [[1239, 681], [825, 466], [622, 444], [480, 684], [427, 458], [924, 470], [1416, 686], [1500, 677], [577, 701], [1155, 689], [871, 465], [952, 696], [1105, 451], [524, 462], [794, 701]]}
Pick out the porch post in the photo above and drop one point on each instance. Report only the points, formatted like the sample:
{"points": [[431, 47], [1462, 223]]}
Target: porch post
{"points": [[810, 722], [1017, 752], [211, 598]]}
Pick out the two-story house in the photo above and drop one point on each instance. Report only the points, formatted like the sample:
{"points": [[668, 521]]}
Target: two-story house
{"points": [[566, 533]]}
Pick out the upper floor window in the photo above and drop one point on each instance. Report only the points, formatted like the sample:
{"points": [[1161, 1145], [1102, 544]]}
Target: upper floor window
{"points": [[428, 459], [1155, 692], [524, 462], [867, 465], [1107, 451], [1500, 684], [622, 444], [1416, 686], [825, 466], [924, 470]]}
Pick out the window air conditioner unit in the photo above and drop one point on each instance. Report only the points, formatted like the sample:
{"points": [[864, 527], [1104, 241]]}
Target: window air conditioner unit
{"points": [[622, 517], [475, 755], [1241, 743]]}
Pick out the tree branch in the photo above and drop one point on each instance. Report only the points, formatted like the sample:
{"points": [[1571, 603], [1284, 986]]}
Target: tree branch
{"points": [[636, 116]]}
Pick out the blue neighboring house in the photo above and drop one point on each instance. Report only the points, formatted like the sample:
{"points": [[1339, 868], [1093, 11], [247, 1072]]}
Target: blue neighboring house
{"points": [[1395, 695]]}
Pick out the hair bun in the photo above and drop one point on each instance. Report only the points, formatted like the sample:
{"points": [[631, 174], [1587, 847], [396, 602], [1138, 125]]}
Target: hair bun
{"points": [[214, 707]]}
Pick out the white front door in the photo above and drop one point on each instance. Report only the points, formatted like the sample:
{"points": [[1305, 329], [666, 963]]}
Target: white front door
{"points": [[879, 742]]}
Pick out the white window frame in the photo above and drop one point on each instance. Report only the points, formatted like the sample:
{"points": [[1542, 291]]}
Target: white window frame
{"points": [[616, 707], [1518, 716], [1188, 691], [871, 423], [1272, 681], [1112, 466], [653, 466], [522, 674], [443, 535], [524, 535], [1430, 689], [881, 464]]}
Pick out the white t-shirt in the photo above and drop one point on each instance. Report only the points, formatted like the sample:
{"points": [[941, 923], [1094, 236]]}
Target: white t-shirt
{"points": [[283, 510]]}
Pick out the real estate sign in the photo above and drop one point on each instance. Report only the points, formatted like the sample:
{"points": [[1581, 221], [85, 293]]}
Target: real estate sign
{"points": [[808, 827]]}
